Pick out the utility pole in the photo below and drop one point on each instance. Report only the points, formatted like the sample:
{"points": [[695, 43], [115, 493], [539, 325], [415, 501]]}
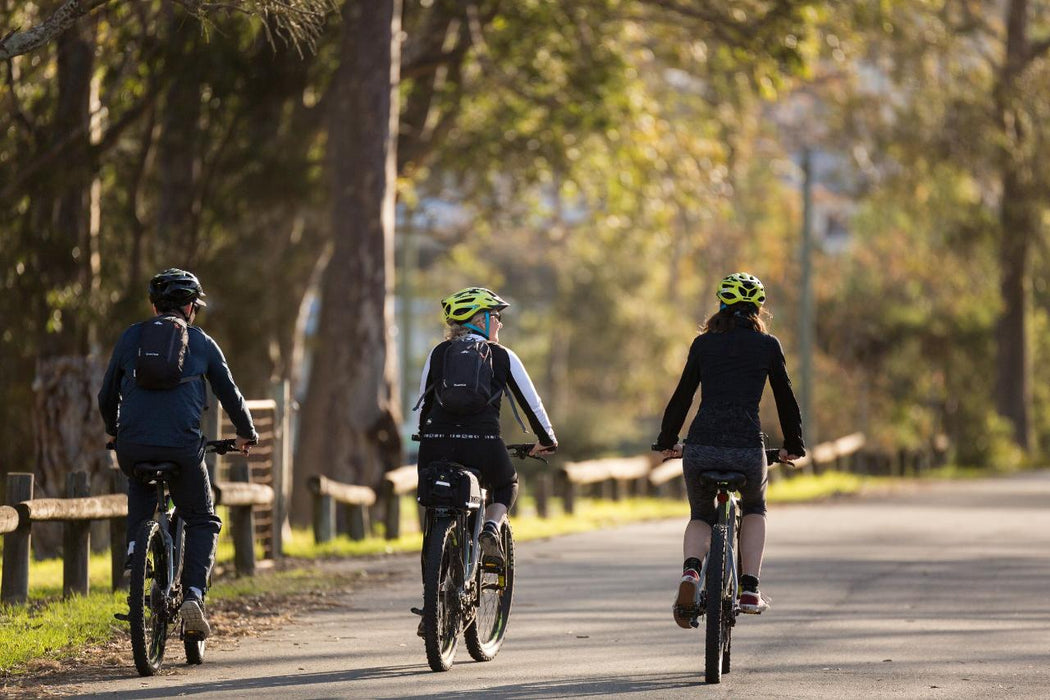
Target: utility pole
{"points": [[807, 316]]}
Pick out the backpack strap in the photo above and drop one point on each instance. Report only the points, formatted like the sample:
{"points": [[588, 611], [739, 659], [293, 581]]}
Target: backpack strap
{"points": [[513, 408], [423, 396]]}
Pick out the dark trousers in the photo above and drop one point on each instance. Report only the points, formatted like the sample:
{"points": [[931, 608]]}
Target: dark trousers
{"points": [[191, 492]]}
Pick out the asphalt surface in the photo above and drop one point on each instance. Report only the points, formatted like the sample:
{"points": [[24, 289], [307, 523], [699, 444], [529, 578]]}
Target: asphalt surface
{"points": [[939, 591]]}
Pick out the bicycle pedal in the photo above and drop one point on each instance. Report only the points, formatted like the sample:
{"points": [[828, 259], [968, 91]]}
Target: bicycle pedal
{"points": [[123, 617]]}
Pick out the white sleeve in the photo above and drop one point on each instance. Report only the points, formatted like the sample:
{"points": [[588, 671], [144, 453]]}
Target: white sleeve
{"points": [[426, 373], [533, 404]]}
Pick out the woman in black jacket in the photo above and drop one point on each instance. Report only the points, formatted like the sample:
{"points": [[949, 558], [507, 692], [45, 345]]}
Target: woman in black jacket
{"points": [[730, 360]]}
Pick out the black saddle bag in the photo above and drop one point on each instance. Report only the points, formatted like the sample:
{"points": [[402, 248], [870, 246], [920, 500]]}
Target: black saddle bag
{"points": [[446, 484]]}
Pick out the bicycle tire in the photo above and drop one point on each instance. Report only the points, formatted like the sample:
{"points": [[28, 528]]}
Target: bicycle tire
{"points": [[484, 636], [441, 594], [715, 586], [194, 647], [148, 613]]}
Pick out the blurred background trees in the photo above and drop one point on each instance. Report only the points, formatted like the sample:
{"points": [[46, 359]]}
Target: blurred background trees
{"points": [[600, 163]]}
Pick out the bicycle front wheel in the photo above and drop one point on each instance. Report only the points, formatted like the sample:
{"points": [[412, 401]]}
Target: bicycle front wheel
{"points": [[495, 587], [715, 586], [441, 593], [148, 609]]}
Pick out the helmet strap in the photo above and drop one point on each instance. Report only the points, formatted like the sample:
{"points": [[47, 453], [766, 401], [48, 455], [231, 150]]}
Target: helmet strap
{"points": [[475, 328]]}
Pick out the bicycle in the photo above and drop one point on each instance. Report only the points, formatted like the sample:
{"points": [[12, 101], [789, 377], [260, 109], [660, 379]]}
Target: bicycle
{"points": [[461, 592], [155, 590], [720, 572]]}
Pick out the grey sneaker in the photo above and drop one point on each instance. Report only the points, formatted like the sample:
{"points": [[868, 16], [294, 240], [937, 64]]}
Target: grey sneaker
{"points": [[491, 547], [194, 622]]}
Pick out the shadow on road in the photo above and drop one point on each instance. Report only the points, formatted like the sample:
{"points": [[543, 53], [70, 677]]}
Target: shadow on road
{"points": [[542, 689]]}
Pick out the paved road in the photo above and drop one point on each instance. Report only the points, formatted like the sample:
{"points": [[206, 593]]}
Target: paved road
{"points": [[939, 592]]}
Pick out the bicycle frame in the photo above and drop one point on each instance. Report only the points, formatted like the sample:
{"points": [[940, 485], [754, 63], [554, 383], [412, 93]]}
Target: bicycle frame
{"points": [[467, 521], [728, 518]]}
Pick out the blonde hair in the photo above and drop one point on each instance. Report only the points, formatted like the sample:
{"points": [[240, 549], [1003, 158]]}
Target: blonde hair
{"points": [[458, 330]]}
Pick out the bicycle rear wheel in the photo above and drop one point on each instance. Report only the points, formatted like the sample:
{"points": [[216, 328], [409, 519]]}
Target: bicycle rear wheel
{"points": [[495, 589], [148, 610], [441, 614], [716, 623]]}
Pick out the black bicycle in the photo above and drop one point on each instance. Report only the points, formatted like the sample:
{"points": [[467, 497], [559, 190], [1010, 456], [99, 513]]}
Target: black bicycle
{"points": [[720, 573], [155, 591], [461, 591]]}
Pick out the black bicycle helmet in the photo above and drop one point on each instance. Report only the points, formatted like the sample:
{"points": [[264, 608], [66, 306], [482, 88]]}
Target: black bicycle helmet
{"points": [[176, 287]]}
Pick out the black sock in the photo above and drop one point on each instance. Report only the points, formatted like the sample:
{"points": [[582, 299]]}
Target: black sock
{"points": [[692, 563], [749, 583]]}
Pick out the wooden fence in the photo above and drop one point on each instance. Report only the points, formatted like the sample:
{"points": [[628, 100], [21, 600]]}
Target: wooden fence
{"points": [[613, 479], [79, 509]]}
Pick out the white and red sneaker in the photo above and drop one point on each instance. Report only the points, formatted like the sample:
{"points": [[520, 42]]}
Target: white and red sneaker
{"points": [[752, 603], [687, 605]]}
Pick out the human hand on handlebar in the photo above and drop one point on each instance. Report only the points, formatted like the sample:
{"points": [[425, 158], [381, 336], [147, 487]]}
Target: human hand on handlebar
{"points": [[243, 445], [673, 453], [539, 449], [785, 456]]}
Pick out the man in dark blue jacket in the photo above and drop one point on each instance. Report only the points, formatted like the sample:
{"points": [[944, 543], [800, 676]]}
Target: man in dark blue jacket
{"points": [[165, 425]]}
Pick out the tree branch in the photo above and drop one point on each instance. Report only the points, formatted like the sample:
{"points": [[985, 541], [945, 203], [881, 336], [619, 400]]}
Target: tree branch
{"points": [[18, 42]]}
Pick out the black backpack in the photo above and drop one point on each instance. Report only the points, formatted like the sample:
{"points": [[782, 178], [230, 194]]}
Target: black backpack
{"points": [[163, 343], [465, 387]]}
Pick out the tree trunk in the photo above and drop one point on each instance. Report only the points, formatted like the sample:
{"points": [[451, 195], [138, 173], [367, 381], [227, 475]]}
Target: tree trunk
{"points": [[1013, 395], [178, 157], [1019, 221], [350, 422], [69, 434], [65, 420]]}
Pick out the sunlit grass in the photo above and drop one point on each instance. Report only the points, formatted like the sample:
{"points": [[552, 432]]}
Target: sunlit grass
{"points": [[56, 628]]}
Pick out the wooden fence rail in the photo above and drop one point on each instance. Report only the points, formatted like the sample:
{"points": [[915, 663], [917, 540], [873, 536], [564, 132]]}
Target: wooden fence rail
{"points": [[614, 476], [76, 514], [326, 494]]}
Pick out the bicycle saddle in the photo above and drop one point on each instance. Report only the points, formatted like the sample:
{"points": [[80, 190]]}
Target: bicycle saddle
{"points": [[734, 480], [150, 471]]}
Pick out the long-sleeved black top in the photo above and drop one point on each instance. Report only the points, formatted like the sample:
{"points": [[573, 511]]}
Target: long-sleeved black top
{"points": [[508, 375], [731, 368], [169, 418]]}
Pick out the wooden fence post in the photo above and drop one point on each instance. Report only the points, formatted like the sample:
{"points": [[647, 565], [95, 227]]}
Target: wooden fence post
{"points": [[324, 517], [118, 535], [282, 464], [392, 503], [243, 525], [568, 494], [541, 491], [15, 586], [76, 541], [358, 517]]}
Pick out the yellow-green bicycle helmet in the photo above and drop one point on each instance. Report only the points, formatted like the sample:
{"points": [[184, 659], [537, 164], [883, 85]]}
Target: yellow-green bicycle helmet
{"points": [[462, 305], [740, 286]]}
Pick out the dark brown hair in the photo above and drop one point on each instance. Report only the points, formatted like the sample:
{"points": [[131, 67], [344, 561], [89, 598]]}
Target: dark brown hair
{"points": [[743, 313]]}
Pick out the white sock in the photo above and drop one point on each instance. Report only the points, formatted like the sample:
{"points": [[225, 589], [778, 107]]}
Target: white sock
{"points": [[197, 592]]}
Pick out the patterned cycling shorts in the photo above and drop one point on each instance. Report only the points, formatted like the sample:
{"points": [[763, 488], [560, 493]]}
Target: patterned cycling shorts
{"points": [[751, 461]]}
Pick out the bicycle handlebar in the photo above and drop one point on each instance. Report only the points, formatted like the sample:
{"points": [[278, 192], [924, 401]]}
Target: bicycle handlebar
{"points": [[522, 450], [772, 456], [219, 447]]}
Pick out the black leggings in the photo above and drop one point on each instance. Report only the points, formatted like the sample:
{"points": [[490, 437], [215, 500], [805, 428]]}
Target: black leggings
{"points": [[490, 457]]}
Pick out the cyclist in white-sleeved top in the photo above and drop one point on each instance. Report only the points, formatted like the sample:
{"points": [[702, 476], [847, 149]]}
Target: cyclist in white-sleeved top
{"points": [[474, 440]]}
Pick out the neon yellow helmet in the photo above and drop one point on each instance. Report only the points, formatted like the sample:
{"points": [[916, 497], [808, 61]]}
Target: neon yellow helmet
{"points": [[740, 286], [462, 305]]}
